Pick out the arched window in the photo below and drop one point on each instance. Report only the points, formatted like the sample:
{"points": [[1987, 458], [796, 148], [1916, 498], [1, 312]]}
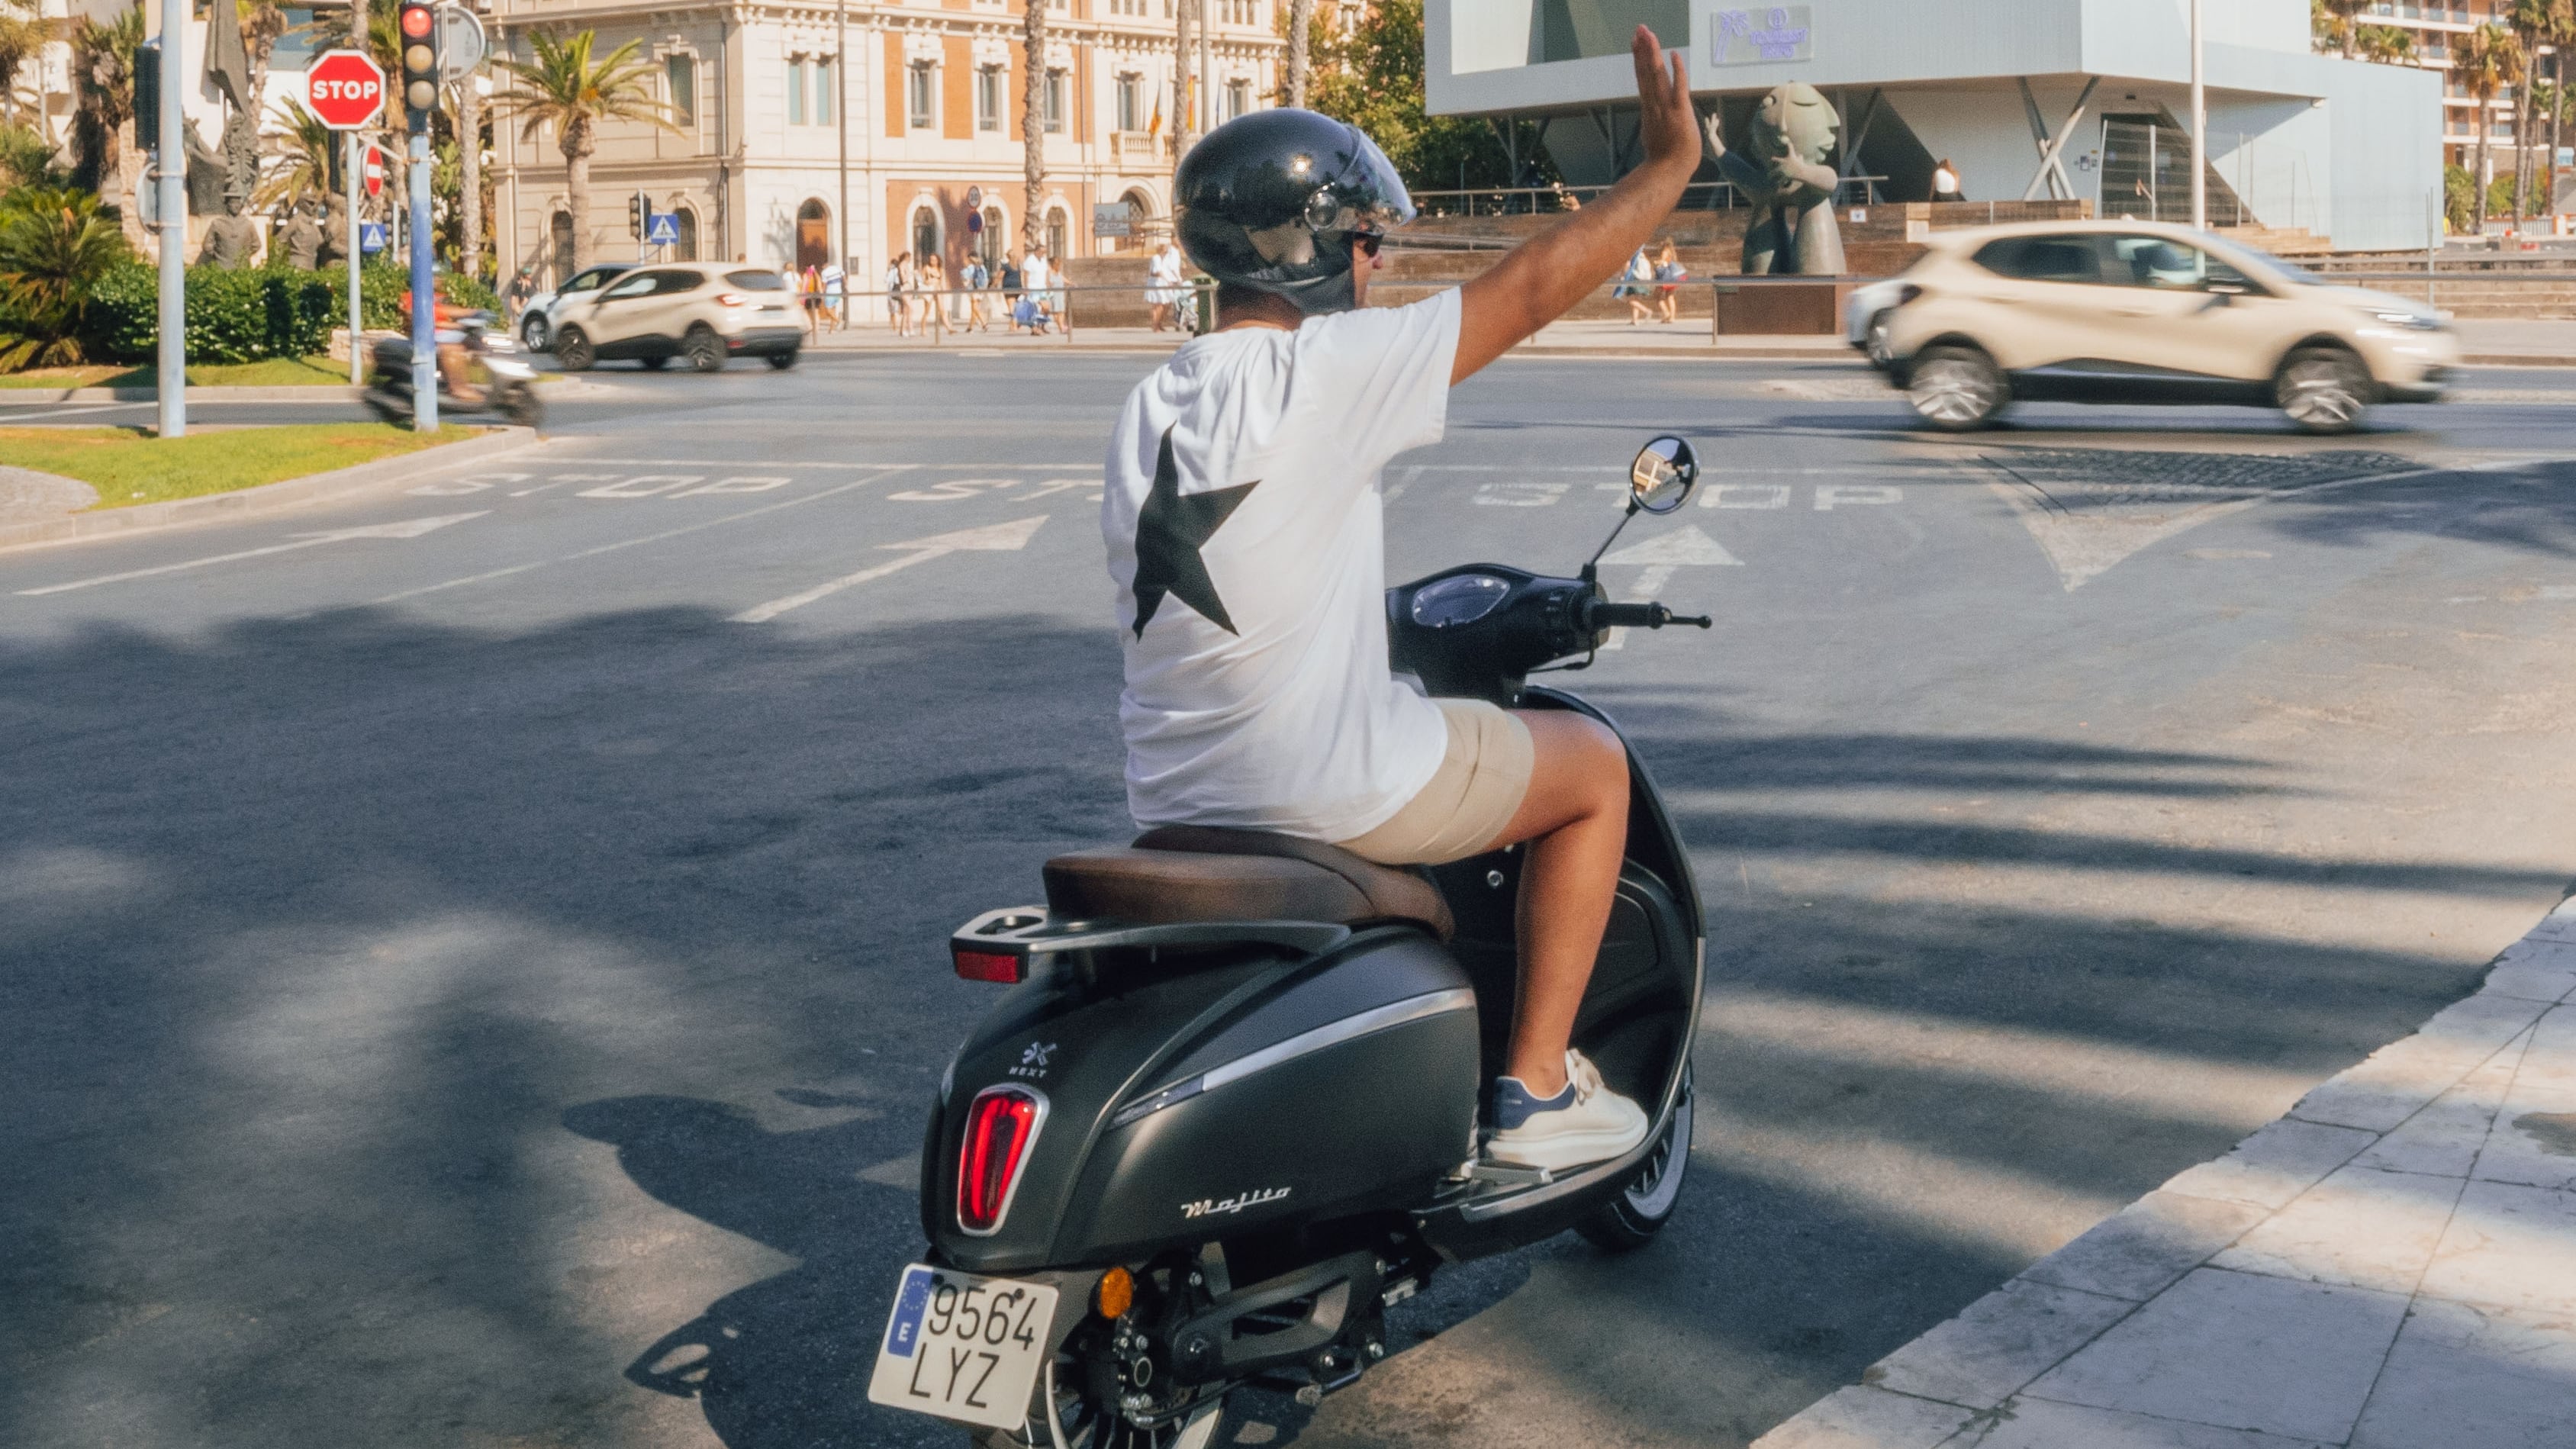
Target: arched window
{"points": [[995, 239], [925, 233], [813, 235], [1056, 228], [561, 229], [686, 248]]}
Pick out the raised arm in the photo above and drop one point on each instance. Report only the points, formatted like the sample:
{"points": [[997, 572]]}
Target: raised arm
{"points": [[1543, 277]]}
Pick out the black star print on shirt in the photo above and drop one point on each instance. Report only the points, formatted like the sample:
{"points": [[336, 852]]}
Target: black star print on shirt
{"points": [[1170, 531]]}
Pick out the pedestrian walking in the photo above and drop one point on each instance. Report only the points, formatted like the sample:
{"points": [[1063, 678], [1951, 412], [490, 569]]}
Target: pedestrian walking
{"points": [[898, 307], [1163, 292], [1669, 275], [934, 292], [1945, 182], [1036, 277], [514, 300], [978, 283], [835, 285], [1639, 270], [809, 290]]}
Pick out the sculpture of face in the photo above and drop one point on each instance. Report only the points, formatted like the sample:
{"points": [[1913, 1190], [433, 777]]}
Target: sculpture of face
{"points": [[1795, 120]]}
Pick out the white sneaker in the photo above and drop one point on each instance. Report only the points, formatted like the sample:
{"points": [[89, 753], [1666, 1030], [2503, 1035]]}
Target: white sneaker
{"points": [[1584, 1124]]}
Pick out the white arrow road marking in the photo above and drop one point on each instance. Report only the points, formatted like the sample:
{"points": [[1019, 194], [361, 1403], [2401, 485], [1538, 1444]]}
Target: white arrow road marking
{"points": [[1663, 555], [996, 538], [408, 528]]}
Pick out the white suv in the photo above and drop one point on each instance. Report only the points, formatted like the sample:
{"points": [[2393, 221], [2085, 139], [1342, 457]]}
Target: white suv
{"points": [[705, 314], [537, 324], [2141, 312]]}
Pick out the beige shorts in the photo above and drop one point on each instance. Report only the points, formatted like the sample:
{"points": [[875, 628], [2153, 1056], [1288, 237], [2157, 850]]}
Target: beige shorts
{"points": [[1473, 796]]}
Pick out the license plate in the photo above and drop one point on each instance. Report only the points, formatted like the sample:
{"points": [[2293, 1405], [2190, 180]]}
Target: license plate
{"points": [[963, 1347]]}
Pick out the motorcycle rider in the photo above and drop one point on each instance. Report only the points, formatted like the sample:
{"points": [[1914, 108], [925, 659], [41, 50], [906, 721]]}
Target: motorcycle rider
{"points": [[1244, 527]]}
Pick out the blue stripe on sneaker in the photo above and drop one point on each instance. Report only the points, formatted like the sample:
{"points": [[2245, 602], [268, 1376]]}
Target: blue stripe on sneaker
{"points": [[1514, 1106]]}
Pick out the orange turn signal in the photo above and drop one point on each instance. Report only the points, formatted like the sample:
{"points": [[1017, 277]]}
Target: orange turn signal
{"points": [[1117, 1293]]}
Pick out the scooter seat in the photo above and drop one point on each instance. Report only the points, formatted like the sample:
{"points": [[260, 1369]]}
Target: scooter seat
{"points": [[1179, 873]]}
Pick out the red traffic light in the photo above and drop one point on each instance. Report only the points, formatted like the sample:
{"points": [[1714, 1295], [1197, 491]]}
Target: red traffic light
{"points": [[417, 21]]}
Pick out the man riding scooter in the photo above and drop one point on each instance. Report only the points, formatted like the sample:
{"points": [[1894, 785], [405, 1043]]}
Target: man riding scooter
{"points": [[458, 330], [1244, 527]]}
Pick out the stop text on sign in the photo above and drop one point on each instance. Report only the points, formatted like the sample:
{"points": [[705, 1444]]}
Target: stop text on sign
{"points": [[344, 89]]}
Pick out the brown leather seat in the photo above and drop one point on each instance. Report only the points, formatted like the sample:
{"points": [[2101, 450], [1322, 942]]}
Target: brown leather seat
{"points": [[1200, 873]]}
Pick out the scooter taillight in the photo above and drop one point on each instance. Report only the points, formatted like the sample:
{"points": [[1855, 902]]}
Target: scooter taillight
{"points": [[975, 965], [1001, 1124]]}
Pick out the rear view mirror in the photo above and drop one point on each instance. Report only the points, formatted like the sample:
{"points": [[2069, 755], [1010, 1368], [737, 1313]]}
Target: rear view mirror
{"points": [[1662, 477]]}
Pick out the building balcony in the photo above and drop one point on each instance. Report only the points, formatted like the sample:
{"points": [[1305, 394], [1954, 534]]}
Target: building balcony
{"points": [[1135, 147]]}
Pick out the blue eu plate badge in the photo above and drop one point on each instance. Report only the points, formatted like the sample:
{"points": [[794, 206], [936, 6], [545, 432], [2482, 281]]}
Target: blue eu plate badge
{"points": [[964, 1347]]}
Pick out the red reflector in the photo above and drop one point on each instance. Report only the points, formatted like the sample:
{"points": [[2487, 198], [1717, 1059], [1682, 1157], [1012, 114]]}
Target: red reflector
{"points": [[1000, 1125], [989, 966]]}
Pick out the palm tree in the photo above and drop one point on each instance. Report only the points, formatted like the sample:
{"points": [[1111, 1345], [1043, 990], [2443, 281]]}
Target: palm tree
{"points": [[54, 247], [2561, 35], [2531, 21], [564, 87], [103, 126], [2387, 45], [2486, 61], [302, 146], [2334, 20], [1301, 19], [22, 35], [1033, 118]]}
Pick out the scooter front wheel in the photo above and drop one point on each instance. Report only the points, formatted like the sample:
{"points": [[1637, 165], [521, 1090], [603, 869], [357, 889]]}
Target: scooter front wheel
{"points": [[1641, 1209]]}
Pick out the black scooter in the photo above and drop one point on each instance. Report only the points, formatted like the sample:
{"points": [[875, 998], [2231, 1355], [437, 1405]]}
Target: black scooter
{"points": [[1227, 1115], [508, 381]]}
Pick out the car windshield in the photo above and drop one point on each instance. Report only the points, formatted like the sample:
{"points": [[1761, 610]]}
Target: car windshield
{"points": [[757, 281], [2280, 270]]}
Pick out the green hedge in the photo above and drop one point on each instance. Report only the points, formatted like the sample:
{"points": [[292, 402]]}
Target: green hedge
{"points": [[244, 316]]}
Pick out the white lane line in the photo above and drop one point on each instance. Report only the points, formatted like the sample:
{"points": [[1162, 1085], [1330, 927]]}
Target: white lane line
{"points": [[88, 410], [889, 472], [1404, 482], [408, 528], [995, 538]]}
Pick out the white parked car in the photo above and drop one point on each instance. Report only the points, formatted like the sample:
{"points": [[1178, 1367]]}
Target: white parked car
{"points": [[546, 309]]}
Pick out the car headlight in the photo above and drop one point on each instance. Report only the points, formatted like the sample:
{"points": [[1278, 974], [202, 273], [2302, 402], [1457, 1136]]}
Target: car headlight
{"points": [[2411, 321]]}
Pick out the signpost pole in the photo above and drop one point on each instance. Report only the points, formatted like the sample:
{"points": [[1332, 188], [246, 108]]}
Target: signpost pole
{"points": [[173, 178], [424, 294], [356, 164], [2199, 130]]}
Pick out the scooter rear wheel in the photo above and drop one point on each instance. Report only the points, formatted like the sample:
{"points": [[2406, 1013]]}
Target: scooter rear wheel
{"points": [[1078, 1421], [1641, 1209]]}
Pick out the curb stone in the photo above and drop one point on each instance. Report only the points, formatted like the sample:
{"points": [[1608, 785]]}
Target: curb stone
{"points": [[2300, 1210], [326, 392], [266, 498]]}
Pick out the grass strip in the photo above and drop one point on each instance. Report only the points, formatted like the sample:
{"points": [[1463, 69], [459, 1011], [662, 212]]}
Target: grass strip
{"points": [[129, 465], [268, 372]]}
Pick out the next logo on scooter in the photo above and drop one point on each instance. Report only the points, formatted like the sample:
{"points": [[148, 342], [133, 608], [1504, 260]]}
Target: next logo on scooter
{"points": [[1033, 1060]]}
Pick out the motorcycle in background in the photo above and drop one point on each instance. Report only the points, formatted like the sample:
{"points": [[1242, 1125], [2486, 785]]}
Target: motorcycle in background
{"points": [[504, 379]]}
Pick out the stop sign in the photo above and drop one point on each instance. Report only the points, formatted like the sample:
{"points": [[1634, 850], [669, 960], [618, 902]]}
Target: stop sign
{"points": [[344, 89]]}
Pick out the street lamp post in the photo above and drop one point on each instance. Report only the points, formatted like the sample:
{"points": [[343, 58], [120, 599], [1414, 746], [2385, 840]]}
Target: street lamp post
{"points": [[172, 179], [2199, 130]]}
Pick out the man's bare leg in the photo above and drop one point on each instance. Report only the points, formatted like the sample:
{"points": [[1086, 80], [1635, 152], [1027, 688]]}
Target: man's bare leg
{"points": [[1575, 820]]}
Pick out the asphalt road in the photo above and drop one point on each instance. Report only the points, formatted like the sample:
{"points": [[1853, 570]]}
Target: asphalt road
{"points": [[478, 983]]}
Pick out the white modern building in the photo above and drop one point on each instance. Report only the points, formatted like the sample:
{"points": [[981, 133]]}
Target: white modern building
{"points": [[2028, 99]]}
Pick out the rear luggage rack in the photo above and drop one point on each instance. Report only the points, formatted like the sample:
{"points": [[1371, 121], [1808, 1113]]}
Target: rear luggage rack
{"points": [[1000, 945]]}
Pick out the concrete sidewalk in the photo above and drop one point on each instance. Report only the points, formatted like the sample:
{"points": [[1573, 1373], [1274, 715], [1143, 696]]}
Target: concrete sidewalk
{"points": [[2390, 1266]]}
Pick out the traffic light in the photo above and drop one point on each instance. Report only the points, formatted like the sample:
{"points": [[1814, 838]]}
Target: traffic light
{"points": [[418, 23], [638, 208]]}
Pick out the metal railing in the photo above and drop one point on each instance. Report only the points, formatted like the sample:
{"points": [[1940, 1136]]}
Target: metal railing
{"points": [[1531, 200], [968, 309]]}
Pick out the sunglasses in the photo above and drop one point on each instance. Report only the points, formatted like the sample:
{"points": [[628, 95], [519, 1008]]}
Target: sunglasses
{"points": [[1368, 241]]}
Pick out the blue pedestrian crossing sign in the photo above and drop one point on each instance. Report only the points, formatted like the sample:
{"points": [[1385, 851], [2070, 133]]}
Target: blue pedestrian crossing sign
{"points": [[662, 229], [371, 237]]}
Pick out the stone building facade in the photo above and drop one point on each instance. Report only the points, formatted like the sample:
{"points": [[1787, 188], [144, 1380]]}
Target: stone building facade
{"points": [[806, 130]]}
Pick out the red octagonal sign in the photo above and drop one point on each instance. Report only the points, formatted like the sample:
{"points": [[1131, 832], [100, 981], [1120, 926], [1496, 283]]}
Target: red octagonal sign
{"points": [[344, 89]]}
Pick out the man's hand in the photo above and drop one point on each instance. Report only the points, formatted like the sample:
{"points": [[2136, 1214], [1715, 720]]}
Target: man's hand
{"points": [[1665, 119], [1552, 271]]}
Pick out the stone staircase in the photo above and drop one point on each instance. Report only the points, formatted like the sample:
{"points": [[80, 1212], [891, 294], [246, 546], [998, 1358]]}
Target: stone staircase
{"points": [[2475, 284]]}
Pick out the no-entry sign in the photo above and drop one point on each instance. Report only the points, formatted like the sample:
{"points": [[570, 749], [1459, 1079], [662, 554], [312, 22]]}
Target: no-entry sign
{"points": [[373, 169], [344, 89]]}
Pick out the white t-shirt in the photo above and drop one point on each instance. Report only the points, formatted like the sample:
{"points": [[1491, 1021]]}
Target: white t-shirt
{"points": [[1254, 614], [1033, 273]]}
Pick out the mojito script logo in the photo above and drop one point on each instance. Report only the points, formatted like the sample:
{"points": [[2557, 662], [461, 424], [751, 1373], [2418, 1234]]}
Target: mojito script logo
{"points": [[1226, 1207], [1751, 37]]}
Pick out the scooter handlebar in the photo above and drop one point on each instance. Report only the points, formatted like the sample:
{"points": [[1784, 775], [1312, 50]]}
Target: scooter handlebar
{"points": [[1642, 616]]}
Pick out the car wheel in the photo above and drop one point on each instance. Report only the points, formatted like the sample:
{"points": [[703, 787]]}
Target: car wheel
{"points": [[533, 333], [706, 351], [2323, 389], [781, 361], [573, 350], [654, 364], [1874, 338], [1956, 389]]}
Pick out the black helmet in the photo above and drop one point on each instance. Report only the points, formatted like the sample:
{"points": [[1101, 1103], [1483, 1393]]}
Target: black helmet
{"points": [[1269, 201]]}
